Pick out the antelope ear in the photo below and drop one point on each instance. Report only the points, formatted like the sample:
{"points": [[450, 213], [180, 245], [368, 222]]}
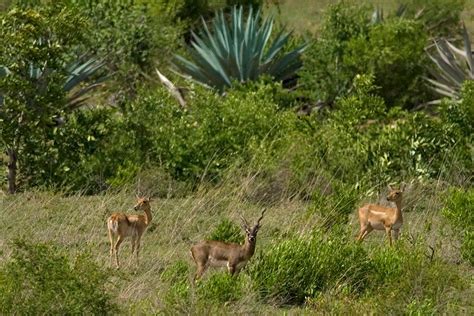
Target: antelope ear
{"points": [[389, 187]]}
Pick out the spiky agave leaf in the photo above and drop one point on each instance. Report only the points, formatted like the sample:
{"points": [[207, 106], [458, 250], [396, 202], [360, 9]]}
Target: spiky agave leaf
{"points": [[238, 50], [76, 85], [454, 66]]}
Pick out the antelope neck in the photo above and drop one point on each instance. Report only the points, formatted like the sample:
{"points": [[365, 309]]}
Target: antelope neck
{"points": [[249, 247], [398, 203], [148, 216]]}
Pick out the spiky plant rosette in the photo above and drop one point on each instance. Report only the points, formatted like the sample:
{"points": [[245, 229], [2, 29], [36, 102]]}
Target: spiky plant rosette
{"points": [[238, 49], [454, 66]]}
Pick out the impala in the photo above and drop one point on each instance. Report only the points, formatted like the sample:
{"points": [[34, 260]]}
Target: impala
{"points": [[121, 226], [217, 253], [378, 217]]}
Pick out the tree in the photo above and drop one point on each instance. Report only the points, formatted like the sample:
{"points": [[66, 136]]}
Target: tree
{"points": [[40, 76]]}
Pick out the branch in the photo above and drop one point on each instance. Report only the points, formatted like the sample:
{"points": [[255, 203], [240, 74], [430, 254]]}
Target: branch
{"points": [[175, 92]]}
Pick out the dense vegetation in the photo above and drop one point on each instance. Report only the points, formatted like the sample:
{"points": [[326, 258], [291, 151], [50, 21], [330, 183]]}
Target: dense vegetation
{"points": [[309, 125]]}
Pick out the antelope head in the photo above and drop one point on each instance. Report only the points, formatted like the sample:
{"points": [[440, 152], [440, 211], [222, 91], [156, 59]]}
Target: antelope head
{"points": [[395, 195], [251, 232], [143, 203]]}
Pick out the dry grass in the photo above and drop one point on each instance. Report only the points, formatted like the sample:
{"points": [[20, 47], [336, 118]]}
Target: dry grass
{"points": [[78, 223]]}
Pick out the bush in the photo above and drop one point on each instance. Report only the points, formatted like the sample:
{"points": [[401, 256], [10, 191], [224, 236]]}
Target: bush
{"points": [[226, 231], [72, 160], [406, 278], [393, 50], [459, 211], [41, 279], [177, 275], [130, 36], [220, 288], [359, 142], [394, 53], [300, 267], [439, 17], [324, 75], [200, 142]]}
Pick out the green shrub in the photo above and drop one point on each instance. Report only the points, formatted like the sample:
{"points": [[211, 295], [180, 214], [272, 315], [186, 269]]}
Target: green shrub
{"points": [[360, 142], [226, 231], [341, 139], [220, 288], [406, 277], [73, 158], [300, 267], [425, 307], [459, 210], [388, 266], [462, 113], [177, 275], [439, 17], [394, 53], [40, 279], [392, 50], [413, 144], [130, 36], [199, 142], [324, 75]]}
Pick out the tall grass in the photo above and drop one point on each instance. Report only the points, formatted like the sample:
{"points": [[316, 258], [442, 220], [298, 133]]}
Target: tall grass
{"points": [[428, 250]]}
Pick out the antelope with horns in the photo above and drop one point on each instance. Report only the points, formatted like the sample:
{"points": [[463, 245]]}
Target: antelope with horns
{"points": [[121, 226], [217, 253], [378, 217]]}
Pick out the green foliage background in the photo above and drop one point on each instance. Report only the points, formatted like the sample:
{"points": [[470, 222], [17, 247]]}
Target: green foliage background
{"points": [[357, 117]]}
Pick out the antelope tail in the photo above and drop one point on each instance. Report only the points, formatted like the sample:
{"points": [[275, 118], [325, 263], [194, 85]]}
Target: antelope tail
{"points": [[112, 224]]}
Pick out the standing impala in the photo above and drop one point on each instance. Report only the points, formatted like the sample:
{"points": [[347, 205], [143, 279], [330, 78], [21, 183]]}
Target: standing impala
{"points": [[217, 253], [121, 225], [378, 217]]}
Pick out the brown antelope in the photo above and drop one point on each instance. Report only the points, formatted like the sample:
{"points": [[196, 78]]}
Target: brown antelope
{"points": [[121, 225], [217, 253], [378, 217]]}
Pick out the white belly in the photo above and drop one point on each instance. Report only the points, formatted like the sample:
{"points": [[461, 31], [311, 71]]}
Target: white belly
{"points": [[217, 263], [224, 263]]}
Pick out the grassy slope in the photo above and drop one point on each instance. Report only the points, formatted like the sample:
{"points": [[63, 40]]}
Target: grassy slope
{"points": [[78, 223], [304, 15]]}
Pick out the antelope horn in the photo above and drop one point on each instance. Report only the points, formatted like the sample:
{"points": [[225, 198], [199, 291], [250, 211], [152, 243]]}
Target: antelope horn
{"points": [[263, 213], [245, 224]]}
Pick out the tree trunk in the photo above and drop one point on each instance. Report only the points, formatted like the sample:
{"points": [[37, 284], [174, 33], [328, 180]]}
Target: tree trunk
{"points": [[12, 160]]}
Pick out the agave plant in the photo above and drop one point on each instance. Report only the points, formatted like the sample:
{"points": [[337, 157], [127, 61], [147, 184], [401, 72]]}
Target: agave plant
{"points": [[454, 66], [79, 72], [238, 50], [378, 15]]}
